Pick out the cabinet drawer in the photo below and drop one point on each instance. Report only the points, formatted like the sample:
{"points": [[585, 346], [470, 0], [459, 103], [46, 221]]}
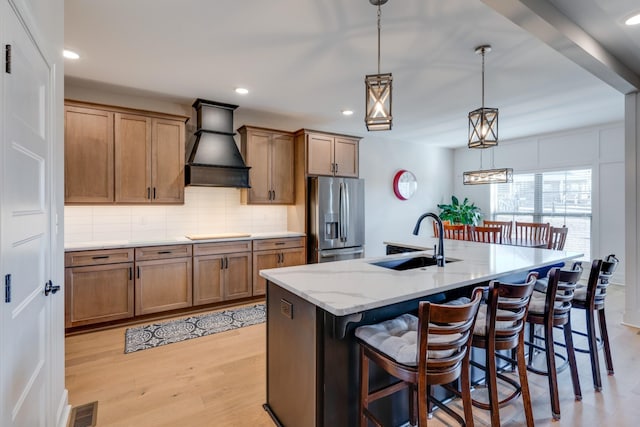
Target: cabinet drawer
{"points": [[97, 257], [162, 252], [221, 247], [281, 243]]}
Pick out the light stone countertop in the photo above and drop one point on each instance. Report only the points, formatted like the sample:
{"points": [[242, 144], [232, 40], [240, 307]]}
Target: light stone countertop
{"points": [[347, 287], [117, 244]]}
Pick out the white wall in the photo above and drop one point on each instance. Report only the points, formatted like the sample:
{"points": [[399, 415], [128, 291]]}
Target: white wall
{"points": [[388, 218], [599, 147]]}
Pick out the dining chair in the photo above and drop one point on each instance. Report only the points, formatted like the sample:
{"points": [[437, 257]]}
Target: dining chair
{"points": [[435, 226], [590, 298], [486, 234], [553, 309], [500, 326], [532, 231], [455, 231], [430, 349], [506, 227], [557, 237]]}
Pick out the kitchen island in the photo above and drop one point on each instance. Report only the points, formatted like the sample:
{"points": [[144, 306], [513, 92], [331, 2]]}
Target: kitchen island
{"points": [[312, 311]]}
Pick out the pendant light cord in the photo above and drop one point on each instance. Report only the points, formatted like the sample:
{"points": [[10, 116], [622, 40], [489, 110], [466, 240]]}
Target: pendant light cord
{"points": [[483, 50], [379, 14]]}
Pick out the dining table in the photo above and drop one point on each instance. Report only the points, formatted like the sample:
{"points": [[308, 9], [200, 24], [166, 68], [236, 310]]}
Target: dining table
{"points": [[527, 243]]}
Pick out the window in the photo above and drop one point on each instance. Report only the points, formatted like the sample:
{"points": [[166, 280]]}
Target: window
{"points": [[559, 198]]}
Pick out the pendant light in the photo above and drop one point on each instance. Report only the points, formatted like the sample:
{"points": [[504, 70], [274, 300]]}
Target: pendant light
{"points": [[378, 91], [488, 176], [483, 122]]}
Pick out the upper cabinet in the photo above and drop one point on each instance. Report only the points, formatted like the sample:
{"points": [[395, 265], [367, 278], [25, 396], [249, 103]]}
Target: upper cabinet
{"points": [[88, 155], [330, 154], [123, 156], [270, 154]]}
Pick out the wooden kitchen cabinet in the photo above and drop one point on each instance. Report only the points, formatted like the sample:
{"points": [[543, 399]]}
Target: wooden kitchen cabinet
{"points": [[163, 279], [123, 156], [98, 286], [331, 154], [88, 160], [149, 159], [221, 271], [270, 154], [273, 253]]}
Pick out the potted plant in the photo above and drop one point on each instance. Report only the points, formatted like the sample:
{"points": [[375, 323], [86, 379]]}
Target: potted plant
{"points": [[460, 213]]}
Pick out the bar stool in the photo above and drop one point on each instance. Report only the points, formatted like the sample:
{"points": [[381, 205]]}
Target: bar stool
{"points": [[550, 309], [430, 349], [500, 326], [590, 298]]}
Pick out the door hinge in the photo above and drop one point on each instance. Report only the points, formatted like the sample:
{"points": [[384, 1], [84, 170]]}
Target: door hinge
{"points": [[7, 288], [7, 59]]}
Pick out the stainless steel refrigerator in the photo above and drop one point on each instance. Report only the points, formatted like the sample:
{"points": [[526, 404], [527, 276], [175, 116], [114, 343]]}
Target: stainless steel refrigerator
{"points": [[336, 219]]}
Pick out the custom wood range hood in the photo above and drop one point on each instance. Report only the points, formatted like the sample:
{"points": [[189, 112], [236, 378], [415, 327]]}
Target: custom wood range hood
{"points": [[213, 158]]}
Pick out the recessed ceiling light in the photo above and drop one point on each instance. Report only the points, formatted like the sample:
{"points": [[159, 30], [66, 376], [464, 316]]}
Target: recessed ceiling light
{"points": [[347, 112], [242, 91], [69, 54], [634, 20]]}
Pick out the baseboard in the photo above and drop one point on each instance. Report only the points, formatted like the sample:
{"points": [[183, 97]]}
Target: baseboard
{"points": [[64, 409]]}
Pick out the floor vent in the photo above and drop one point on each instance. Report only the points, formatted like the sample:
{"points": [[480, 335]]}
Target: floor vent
{"points": [[84, 415]]}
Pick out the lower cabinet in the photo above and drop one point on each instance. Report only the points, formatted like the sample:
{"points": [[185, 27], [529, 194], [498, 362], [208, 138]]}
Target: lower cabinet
{"points": [[273, 253], [114, 284], [163, 278], [98, 286], [221, 271]]}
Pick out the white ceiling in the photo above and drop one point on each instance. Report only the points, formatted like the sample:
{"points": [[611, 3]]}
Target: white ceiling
{"points": [[307, 59]]}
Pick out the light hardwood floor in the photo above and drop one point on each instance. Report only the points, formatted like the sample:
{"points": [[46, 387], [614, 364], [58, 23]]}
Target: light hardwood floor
{"points": [[219, 380]]}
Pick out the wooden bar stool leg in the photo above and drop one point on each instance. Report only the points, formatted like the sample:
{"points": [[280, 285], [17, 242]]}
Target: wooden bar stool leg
{"points": [[364, 387], [465, 384], [571, 355], [604, 335], [593, 350], [551, 369], [413, 405], [492, 384], [524, 382]]}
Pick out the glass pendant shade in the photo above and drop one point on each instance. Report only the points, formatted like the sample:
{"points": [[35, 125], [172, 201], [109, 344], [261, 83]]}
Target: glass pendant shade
{"points": [[488, 176], [378, 101], [483, 128]]}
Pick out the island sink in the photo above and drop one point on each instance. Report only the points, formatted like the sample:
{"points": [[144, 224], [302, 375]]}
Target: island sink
{"points": [[410, 263]]}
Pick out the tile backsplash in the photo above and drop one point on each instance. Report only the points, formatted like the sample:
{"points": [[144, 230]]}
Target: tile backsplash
{"points": [[206, 210]]}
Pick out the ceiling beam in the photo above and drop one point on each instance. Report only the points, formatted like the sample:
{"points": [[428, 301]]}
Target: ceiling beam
{"points": [[546, 22]]}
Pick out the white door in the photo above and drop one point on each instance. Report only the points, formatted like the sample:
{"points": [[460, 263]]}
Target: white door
{"points": [[25, 230]]}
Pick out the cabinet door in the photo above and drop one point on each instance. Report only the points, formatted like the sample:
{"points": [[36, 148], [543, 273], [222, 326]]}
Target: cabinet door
{"points": [[291, 257], [237, 276], [88, 160], [261, 261], [133, 161], [319, 154], [208, 279], [346, 157], [257, 157], [167, 161], [163, 284], [98, 293], [281, 164]]}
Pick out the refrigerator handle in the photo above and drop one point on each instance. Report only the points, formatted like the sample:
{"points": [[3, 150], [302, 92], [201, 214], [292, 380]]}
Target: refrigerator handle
{"points": [[341, 213], [347, 213]]}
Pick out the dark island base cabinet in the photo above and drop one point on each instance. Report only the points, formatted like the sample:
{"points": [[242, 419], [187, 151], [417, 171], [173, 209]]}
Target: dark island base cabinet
{"points": [[313, 363]]}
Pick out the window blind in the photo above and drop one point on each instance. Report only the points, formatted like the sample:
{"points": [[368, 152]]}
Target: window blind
{"points": [[559, 198]]}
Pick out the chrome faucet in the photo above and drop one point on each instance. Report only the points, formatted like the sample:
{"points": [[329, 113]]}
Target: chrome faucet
{"points": [[440, 253]]}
